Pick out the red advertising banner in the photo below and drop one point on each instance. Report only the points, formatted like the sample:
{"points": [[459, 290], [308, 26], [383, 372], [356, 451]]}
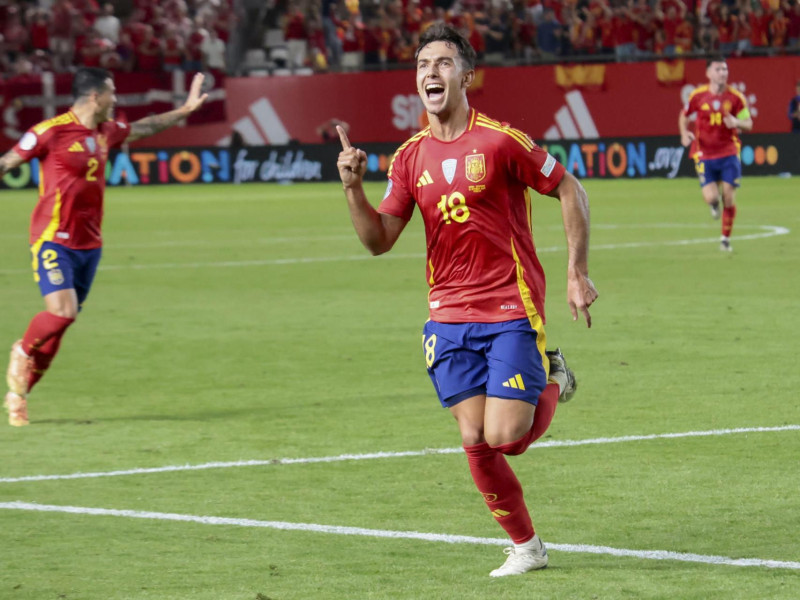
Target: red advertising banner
{"points": [[27, 100], [548, 102]]}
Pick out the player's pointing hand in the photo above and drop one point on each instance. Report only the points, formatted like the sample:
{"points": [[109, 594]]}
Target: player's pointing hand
{"points": [[352, 163]]}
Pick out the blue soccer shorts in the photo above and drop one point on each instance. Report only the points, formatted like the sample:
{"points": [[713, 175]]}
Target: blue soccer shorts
{"points": [[57, 267], [503, 360], [727, 169]]}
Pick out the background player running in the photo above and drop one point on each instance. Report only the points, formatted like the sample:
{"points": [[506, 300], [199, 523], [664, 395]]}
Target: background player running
{"points": [[721, 112], [65, 238]]}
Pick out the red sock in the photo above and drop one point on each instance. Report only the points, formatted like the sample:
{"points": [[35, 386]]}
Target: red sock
{"points": [[41, 342], [501, 490], [42, 357], [542, 417], [728, 215], [42, 327]]}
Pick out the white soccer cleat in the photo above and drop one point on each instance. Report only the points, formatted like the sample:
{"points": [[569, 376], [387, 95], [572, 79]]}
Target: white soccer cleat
{"points": [[20, 366], [725, 244], [17, 407], [522, 560]]}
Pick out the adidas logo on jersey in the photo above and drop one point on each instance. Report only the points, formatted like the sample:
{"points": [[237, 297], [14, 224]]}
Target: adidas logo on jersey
{"points": [[515, 382], [76, 147], [424, 179]]}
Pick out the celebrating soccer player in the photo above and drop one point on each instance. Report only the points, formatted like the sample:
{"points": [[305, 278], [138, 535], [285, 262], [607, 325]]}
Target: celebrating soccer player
{"points": [[721, 112], [65, 228], [484, 344]]}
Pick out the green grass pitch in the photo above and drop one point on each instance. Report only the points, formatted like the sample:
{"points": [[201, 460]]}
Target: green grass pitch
{"points": [[246, 323]]}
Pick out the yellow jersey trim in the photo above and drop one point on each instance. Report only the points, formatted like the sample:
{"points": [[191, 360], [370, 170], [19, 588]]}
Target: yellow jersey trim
{"points": [[516, 134], [48, 235], [530, 309], [62, 119], [412, 139]]}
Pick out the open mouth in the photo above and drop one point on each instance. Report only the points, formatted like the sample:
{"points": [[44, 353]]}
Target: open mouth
{"points": [[434, 91]]}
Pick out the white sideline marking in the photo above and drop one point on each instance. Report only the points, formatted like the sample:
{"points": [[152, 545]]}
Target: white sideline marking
{"points": [[376, 455], [767, 231], [407, 535]]}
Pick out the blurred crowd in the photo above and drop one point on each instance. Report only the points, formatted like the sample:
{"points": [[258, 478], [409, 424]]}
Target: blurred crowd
{"points": [[127, 35], [347, 35]]}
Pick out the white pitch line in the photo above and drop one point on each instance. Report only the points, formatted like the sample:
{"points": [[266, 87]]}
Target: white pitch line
{"points": [[379, 455], [767, 231], [406, 535]]}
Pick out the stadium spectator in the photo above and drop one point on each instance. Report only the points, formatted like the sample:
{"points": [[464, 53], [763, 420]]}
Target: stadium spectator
{"points": [[329, 26], [107, 24], [793, 32], [15, 34], [778, 30], [194, 48], [497, 37], [148, 52], [213, 49], [296, 35], [524, 36], [174, 49], [623, 32], [670, 20], [352, 44], [39, 26], [374, 40], [125, 52], [548, 35]]}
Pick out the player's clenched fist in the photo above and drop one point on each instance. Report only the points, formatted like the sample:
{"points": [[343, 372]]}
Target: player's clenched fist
{"points": [[352, 163]]}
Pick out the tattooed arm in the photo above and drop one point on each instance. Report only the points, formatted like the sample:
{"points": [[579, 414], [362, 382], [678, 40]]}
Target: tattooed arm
{"points": [[10, 160], [152, 125]]}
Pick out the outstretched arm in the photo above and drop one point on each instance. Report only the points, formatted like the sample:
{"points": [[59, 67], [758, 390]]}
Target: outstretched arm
{"points": [[152, 125], [377, 231], [581, 292], [10, 160]]}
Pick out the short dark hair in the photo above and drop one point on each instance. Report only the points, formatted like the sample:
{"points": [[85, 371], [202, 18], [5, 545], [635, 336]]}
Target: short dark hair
{"points": [[89, 79], [441, 32], [715, 58]]}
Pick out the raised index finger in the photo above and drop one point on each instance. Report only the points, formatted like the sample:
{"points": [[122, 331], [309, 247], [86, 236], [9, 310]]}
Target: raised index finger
{"points": [[343, 137]]}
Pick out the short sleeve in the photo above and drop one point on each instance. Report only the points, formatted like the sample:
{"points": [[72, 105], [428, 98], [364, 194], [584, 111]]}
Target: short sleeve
{"points": [[116, 131], [691, 106], [534, 166], [397, 200], [32, 145]]}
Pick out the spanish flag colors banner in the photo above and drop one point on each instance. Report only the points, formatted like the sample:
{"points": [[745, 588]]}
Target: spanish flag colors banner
{"points": [[671, 72], [583, 76]]}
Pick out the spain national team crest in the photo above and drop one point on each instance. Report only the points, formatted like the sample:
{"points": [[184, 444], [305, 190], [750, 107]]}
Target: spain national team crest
{"points": [[715, 104], [476, 167], [91, 144]]}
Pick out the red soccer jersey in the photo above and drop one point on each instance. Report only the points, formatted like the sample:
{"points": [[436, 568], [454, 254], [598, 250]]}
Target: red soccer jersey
{"points": [[474, 199], [714, 139], [72, 166]]}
